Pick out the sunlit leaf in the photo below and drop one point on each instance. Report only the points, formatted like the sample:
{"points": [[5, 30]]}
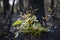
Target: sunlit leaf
{"points": [[45, 29], [34, 17], [16, 34], [36, 25], [26, 24], [17, 22]]}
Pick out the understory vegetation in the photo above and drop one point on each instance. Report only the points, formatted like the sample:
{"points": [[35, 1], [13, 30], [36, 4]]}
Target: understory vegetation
{"points": [[28, 24]]}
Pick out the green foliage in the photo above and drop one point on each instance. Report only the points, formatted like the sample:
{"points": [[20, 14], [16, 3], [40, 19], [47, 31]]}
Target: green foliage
{"points": [[18, 22], [29, 25]]}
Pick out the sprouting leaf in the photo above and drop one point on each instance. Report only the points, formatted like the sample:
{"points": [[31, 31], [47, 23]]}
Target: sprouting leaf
{"points": [[28, 29], [27, 19], [49, 9], [16, 34], [41, 28], [17, 22], [34, 17], [36, 25], [26, 24], [36, 33], [45, 29]]}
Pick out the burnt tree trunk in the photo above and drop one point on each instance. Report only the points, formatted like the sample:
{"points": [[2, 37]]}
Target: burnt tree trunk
{"points": [[6, 7], [52, 5], [3, 28], [38, 4], [21, 6]]}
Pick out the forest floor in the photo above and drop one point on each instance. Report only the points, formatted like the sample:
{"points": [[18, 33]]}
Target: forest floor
{"points": [[54, 33]]}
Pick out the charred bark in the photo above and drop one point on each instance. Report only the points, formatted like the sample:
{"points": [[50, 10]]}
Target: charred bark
{"points": [[52, 5], [6, 7], [38, 4], [21, 7]]}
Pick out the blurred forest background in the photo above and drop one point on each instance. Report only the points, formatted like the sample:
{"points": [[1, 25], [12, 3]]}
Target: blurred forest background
{"points": [[10, 11]]}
